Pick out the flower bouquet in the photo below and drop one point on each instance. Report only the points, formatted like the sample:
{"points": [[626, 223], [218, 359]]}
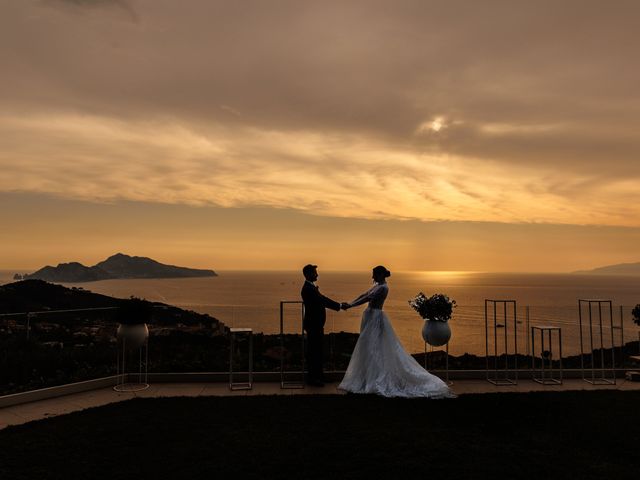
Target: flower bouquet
{"points": [[636, 314], [437, 307]]}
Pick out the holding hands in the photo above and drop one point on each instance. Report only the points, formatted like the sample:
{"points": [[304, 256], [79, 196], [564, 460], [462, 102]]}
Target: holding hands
{"points": [[345, 306]]}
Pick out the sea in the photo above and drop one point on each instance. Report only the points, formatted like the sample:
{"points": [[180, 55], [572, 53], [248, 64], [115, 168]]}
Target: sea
{"points": [[254, 299]]}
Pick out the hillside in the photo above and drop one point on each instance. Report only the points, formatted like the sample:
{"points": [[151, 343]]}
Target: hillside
{"points": [[38, 295], [631, 269], [41, 296]]}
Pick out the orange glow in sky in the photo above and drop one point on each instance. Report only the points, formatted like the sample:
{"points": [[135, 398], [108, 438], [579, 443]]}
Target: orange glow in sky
{"points": [[426, 135]]}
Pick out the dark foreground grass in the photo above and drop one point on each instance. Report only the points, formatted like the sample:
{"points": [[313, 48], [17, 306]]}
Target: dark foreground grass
{"points": [[542, 436]]}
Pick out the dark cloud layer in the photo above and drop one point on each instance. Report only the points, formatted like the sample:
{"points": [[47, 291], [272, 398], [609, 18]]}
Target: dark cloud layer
{"points": [[541, 96], [77, 6]]}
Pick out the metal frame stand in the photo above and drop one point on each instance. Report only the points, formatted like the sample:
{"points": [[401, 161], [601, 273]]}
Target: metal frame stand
{"points": [[602, 378], [283, 382], [621, 328], [248, 385], [429, 350], [123, 384], [546, 356], [496, 378]]}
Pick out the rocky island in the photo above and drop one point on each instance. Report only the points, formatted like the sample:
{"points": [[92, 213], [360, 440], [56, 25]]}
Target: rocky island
{"points": [[118, 266]]}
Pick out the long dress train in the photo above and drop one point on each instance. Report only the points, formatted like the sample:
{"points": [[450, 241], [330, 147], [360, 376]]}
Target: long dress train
{"points": [[379, 364]]}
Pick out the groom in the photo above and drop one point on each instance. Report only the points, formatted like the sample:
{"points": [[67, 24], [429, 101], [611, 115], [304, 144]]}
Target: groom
{"points": [[313, 323]]}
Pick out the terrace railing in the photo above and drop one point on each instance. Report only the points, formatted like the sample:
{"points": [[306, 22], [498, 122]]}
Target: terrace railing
{"points": [[50, 348]]}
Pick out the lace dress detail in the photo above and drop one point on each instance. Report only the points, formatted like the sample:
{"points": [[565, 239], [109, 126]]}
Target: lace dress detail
{"points": [[380, 364]]}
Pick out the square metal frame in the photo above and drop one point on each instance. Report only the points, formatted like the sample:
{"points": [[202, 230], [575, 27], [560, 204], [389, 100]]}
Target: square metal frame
{"points": [[507, 379], [543, 379], [602, 378], [124, 385], [284, 383], [431, 349], [248, 385]]}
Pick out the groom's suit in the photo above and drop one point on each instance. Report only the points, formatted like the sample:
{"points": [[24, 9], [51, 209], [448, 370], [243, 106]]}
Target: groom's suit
{"points": [[315, 317]]}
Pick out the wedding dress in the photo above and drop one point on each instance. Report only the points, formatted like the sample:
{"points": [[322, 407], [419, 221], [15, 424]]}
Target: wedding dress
{"points": [[380, 364]]}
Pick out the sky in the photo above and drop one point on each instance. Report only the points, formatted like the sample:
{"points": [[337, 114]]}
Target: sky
{"points": [[424, 135]]}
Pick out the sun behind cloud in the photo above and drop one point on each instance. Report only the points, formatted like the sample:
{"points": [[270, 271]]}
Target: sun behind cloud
{"points": [[336, 110]]}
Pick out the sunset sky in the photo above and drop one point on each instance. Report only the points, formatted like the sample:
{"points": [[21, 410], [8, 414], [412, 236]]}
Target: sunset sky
{"points": [[425, 135]]}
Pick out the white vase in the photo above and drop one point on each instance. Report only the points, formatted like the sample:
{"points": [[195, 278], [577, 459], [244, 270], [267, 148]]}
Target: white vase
{"points": [[133, 335], [436, 333]]}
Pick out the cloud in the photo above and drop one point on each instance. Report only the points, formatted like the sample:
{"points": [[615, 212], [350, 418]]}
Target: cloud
{"points": [[343, 175], [123, 7], [492, 111]]}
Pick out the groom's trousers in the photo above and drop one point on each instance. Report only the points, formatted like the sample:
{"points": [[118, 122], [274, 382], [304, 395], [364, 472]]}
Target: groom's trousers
{"points": [[315, 353]]}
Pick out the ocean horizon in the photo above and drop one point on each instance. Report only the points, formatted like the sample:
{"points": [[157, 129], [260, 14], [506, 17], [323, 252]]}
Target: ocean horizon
{"points": [[245, 298]]}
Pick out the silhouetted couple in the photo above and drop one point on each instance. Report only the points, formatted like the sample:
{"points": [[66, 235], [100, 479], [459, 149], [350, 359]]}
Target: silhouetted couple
{"points": [[379, 364]]}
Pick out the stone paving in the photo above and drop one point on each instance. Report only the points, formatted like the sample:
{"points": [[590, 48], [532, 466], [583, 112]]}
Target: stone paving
{"points": [[27, 412]]}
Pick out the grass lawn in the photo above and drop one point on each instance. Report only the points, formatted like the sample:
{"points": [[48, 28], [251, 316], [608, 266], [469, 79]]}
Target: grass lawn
{"points": [[574, 435]]}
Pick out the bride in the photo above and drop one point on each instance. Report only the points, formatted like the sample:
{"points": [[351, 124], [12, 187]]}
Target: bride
{"points": [[379, 364]]}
